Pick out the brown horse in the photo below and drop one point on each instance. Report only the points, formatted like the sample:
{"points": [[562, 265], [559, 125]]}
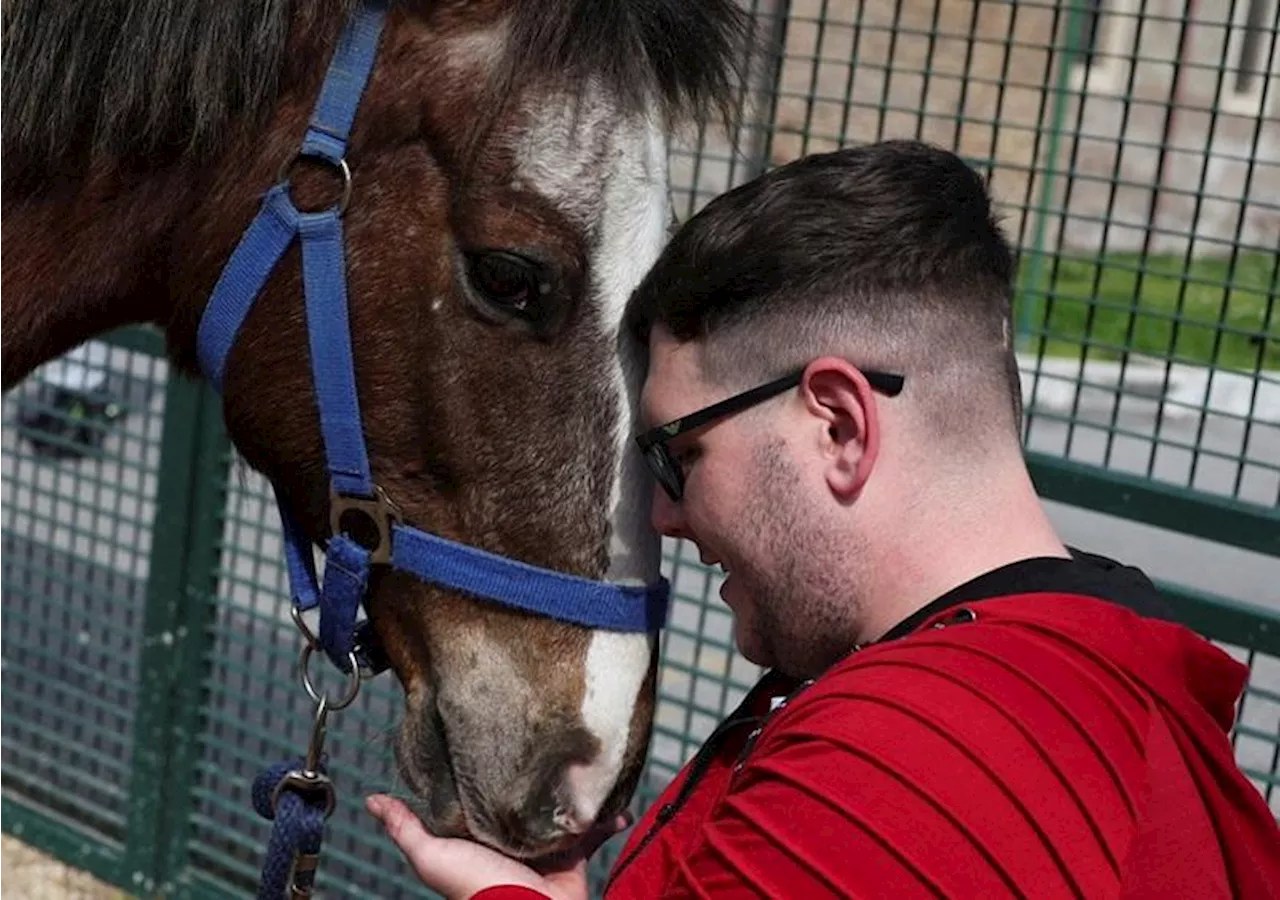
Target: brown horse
{"points": [[509, 190]]}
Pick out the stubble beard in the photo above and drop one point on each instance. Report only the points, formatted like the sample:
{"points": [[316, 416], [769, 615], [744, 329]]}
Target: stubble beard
{"points": [[805, 611]]}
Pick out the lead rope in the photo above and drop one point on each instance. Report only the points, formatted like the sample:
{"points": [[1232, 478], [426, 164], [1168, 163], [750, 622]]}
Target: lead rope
{"points": [[298, 795]]}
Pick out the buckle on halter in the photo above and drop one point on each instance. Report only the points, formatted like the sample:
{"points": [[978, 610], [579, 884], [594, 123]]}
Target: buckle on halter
{"points": [[366, 520]]}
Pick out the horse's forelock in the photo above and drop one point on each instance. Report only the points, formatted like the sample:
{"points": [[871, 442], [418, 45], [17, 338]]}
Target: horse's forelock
{"points": [[682, 57]]}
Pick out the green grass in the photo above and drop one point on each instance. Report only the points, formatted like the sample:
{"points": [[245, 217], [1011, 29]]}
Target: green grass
{"points": [[1206, 315]]}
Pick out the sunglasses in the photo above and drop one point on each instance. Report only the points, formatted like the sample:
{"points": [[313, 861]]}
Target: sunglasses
{"points": [[662, 463]]}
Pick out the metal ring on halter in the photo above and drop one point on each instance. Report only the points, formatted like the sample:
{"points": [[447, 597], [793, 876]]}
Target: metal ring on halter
{"points": [[353, 680], [339, 167]]}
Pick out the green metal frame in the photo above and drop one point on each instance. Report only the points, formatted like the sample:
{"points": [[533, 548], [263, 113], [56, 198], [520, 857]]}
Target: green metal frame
{"points": [[1220, 519], [180, 610]]}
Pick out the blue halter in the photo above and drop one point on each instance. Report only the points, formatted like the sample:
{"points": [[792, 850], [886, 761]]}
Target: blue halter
{"points": [[347, 563]]}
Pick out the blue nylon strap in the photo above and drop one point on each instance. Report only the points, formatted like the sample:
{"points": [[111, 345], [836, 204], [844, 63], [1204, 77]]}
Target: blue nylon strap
{"points": [[324, 280], [346, 576], [556, 595], [299, 560], [335, 110], [261, 247]]}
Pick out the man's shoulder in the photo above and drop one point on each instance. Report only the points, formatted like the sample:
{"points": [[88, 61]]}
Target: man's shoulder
{"points": [[1032, 658]]}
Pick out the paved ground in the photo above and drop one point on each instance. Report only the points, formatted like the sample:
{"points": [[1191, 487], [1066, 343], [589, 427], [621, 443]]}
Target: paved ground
{"points": [[30, 875]]}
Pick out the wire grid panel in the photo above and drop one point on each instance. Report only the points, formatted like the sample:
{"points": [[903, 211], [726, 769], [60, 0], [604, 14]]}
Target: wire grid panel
{"points": [[1133, 150], [81, 450], [1256, 735]]}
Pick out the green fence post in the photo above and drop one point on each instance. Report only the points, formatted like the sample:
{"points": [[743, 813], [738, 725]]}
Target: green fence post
{"points": [[1033, 287], [181, 594]]}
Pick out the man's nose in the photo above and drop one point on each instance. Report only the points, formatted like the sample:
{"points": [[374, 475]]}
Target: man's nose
{"points": [[667, 515]]}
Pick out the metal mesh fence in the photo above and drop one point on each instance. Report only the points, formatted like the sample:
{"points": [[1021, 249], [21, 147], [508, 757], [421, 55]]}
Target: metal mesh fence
{"points": [[1133, 150], [79, 499], [1139, 178], [1258, 723]]}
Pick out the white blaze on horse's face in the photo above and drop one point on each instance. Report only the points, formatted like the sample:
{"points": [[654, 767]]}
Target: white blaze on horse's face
{"points": [[612, 175], [632, 231]]}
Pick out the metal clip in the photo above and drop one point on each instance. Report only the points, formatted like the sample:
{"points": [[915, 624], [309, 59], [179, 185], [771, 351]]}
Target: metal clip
{"points": [[302, 626], [315, 746], [302, 876], [369, 521], [309, 779]]}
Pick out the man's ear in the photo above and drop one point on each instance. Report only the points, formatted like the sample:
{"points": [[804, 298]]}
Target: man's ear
{"points": [[838, 394]]}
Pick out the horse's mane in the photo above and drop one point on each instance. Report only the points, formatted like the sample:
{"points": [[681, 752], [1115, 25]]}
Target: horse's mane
{"points": [[145, 78], [139, 77]]}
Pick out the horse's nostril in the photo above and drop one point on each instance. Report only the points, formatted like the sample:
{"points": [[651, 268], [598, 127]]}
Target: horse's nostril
{"points": [[532, 832], [565, 819]]}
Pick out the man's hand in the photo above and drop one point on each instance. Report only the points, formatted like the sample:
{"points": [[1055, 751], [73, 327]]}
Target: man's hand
{"points": [[457, 868]]}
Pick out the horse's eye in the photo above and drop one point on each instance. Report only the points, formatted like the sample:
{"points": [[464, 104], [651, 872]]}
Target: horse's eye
{"points": [[510, 282]]}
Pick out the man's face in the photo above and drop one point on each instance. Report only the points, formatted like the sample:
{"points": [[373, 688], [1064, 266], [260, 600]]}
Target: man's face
{"points": [[749, 506], [713, 462]]}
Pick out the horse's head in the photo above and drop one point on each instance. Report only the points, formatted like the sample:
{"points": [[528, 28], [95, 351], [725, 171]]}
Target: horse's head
{"points": [[508, 192]]}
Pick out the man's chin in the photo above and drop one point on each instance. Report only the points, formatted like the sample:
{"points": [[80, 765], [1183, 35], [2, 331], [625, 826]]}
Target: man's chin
{"points": [[752, 649]]}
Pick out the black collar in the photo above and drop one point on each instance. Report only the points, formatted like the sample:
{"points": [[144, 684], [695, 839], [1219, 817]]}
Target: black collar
{"points": [[1084, 573]]}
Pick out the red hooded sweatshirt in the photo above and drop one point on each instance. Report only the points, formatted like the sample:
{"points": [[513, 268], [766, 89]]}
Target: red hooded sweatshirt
{"points": [[1028, 735]]}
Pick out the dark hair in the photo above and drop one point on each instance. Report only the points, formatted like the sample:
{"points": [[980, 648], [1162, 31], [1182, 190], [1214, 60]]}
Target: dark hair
{"points": [[888, 254]]}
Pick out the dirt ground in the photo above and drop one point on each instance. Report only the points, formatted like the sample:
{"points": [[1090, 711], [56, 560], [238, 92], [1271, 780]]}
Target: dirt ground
{"points": [[28, 874]]}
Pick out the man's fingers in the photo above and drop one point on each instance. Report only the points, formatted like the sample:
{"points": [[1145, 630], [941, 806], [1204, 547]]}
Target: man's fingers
{"points": [[406, 829], [401, 824], [430, 856]]}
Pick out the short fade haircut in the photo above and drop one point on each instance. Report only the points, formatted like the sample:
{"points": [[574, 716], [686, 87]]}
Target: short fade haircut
{"points": [[887, 254]]}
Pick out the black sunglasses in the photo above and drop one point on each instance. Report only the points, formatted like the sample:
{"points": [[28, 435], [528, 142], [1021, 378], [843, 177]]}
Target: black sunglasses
{"points": [[653, 443]]}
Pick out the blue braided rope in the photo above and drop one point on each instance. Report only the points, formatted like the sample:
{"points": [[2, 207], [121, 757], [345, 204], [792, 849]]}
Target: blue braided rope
{"points": [[298, 828]]}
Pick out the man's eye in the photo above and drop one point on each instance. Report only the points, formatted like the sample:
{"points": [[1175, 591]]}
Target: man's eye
{"points": [[685, 458]]}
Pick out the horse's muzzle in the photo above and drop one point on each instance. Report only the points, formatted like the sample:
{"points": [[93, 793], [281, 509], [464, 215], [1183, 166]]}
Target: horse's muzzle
{"points": [[519, 805]]}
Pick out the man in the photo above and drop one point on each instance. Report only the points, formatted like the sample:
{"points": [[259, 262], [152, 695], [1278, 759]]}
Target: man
{"points": [[957, 705]]}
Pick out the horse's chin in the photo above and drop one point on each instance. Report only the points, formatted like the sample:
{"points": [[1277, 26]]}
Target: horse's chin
{"points": [[443, 814], [442, 811], [425, 765]]}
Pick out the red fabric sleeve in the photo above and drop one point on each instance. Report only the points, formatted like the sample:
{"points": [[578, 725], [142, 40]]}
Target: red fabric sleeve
{"points": [[509, 892]]}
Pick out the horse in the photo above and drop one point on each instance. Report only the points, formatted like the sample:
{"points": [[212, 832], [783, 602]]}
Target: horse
{"points": [[503, 189]]}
